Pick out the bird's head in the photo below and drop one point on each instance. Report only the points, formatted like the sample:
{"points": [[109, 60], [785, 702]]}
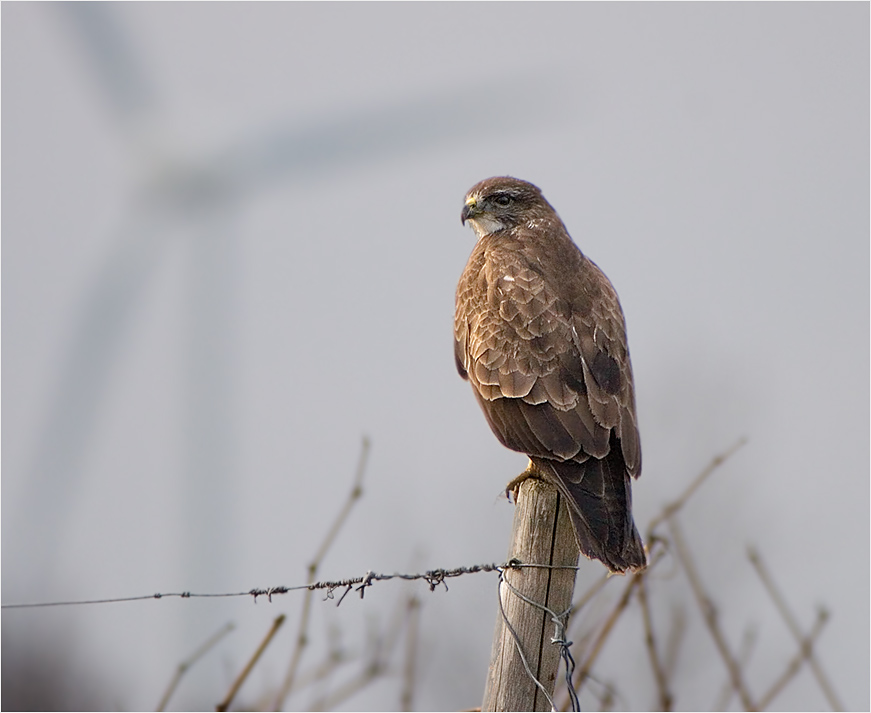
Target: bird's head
{"points": [[501, 203]]}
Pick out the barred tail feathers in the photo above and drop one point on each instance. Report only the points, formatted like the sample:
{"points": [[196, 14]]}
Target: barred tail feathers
{"points": [[599, 497]]}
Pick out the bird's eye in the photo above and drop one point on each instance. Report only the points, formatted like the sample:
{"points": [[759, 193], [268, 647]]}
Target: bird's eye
{"points": [[503, 199]]}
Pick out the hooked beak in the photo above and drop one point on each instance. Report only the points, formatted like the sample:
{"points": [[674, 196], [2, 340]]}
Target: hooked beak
{"points": [[470, 210]]}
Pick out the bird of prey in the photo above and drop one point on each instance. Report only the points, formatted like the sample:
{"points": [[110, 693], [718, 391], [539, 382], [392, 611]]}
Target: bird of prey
{"points": [[540, 335]]}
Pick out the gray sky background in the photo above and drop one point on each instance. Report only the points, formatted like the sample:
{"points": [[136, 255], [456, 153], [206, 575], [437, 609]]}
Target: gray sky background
{"points": [[231, 239]]}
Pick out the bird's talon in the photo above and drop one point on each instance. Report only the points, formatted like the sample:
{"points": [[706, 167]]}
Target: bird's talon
{"points": [[514, 486]]}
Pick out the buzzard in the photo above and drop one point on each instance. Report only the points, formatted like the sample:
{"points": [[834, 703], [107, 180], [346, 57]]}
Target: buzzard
{"points": [[540, 335]]}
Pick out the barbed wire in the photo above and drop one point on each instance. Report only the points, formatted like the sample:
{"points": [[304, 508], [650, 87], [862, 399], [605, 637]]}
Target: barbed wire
{"points": [[433, 577]]}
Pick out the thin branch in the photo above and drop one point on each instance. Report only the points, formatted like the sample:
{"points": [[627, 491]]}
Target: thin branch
{"points": [[355, 494], [709, 614], [409, 669], [381, 646], [795, 629], [584, 670], [190, 661], [748, 641], [805, 653], [675, 638], [675, 506], [582, 673], [305, 615], [335, 658], [665, 697], [609, 697], [301, 642], [587, 596], [237, 684], [333, 661], [356, 684], [654, 556]]}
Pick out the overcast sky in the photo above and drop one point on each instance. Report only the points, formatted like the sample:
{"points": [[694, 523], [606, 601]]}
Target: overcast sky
{"points": [[231, 240]]}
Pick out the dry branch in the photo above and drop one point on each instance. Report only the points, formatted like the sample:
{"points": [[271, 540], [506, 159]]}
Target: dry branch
{"points": [[583, 671], [237, 684], [709, 614], [591, 593], [185, 665], [305, 615], [744, 652], [780, 603], [380, 649], [673, 642], [665, 697], [672, 508], [348, 689], [805, 653], [409, 669]]}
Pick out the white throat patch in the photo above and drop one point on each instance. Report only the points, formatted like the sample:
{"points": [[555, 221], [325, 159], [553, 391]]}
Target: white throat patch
{"points": [[485, 224]]}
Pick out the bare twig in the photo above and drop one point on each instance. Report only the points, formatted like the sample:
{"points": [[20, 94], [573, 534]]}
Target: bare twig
{"points": [[744, 653], [675, 638], [654, 555], [355, 494], [804, 653], [190, 661], [587, 596], [596, 648], [709, 614], [356, 684], [582, 673], [675, 506], [333, 661], [780, 603], [305, 615], [410, 663], [301, 642], [380, 648], [335, 658], [583, 640], [608, 696], [606, 702], [237, 684], [665, 697]]}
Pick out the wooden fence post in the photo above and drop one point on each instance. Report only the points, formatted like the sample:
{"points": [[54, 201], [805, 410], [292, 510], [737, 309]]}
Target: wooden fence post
{"points": [[542, 534]]}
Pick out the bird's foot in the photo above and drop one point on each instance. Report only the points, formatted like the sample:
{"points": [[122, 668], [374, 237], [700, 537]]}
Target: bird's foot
{"points": [[512, 487]]}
